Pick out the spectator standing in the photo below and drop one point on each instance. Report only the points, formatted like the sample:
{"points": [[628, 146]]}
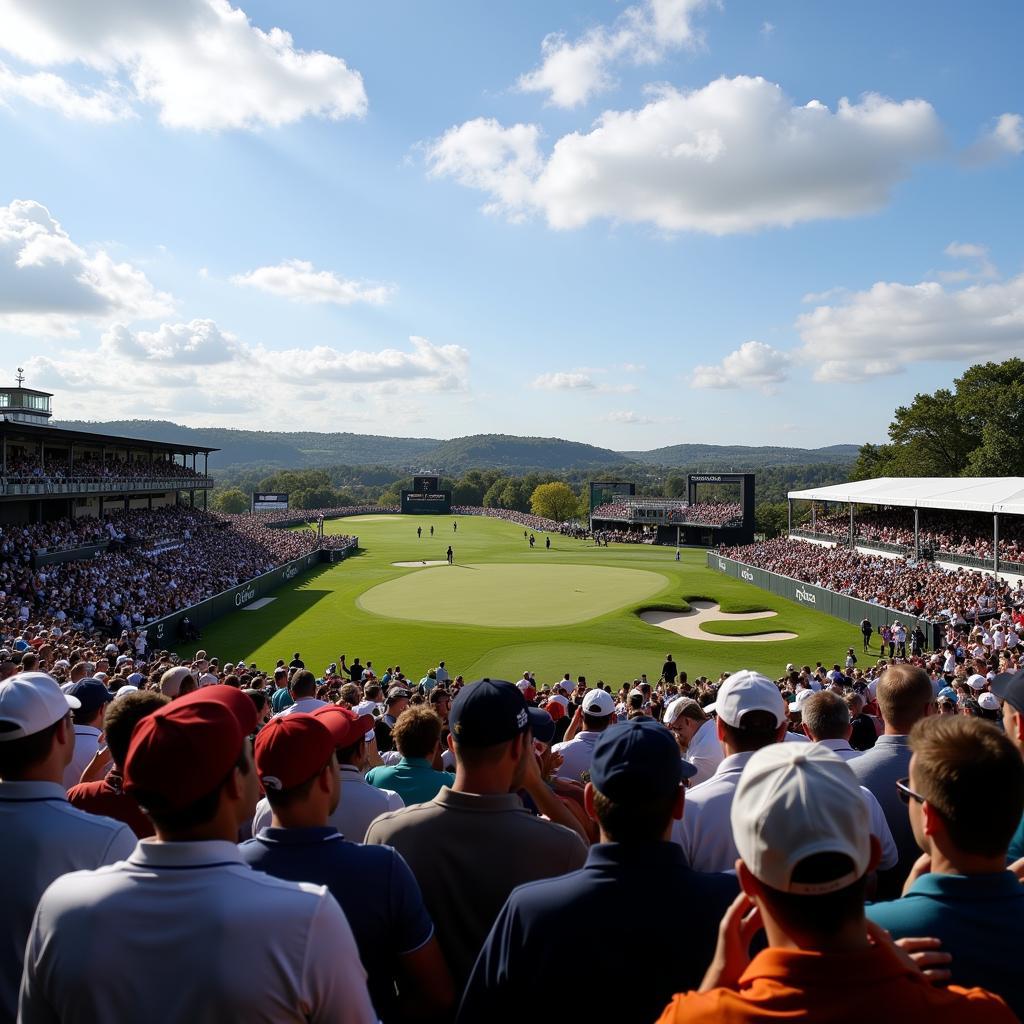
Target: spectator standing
{"points": [[190, 766], [1009, 688], [395, 703], [303, 691], [417, 736], [595, 715], [295, 762], [475, 842], [669, 671], [43, 835], [696, 733], [281, 697], [634, 794], [964, 797], [806, 851], [93, 698], [866, 629]]}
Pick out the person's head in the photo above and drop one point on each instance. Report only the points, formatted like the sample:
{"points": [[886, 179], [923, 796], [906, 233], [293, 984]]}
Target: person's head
{"points": [[636, 783], [751, 712], [281, 677], [825, 716], [349, 730], [189, 765], [350, 694], [441, 701], [598, 711], [374, 692], [417, 732], [37, 737], [684, 716], [904, 696], [491, 736], [855, 702], [803, 833], [123, 715], [303, 684], [177, 682], [93, 698], [396, 702], [1009, 688], [965, 794]]}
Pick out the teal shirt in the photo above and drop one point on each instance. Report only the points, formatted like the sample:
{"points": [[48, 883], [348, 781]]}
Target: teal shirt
{"points": [[978, 918], [1016, 850], [281, 699], [413, 779]]}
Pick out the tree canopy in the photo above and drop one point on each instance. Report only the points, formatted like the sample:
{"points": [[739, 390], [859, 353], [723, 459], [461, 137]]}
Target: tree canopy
{"points": [[554, 501]]}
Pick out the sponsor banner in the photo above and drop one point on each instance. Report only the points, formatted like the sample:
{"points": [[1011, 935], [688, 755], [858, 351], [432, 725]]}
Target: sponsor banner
{"points": [[70, 554], [840, 606]]}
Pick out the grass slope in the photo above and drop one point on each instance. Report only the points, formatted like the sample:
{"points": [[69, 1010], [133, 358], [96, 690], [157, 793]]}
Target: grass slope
{"points": [[321, 616]]}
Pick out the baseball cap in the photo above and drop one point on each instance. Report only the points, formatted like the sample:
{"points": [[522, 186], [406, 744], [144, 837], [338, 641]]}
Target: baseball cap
{"points": [[345, 726], [599, 703], [638, 760], [31, 702], [91, 694], [977, 681], [171, 680], [185, 749], [678, 706], [749, 691], [989, 701], [795, 800], [948, 691], [397, 693], [542, 725], [1009, 686], [209, 679], [292, 749], [491, 711]]}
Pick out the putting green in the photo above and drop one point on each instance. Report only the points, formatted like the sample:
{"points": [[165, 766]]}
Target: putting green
{"points": [[510, 595]]}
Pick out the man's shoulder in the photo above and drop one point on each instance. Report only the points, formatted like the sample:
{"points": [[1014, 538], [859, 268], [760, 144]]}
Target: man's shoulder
{"points": [[394, 822], [82, 825]]}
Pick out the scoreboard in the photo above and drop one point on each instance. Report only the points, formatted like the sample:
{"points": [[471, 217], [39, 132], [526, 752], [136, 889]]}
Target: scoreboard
{"points": [[426, 497], [264, 502]]}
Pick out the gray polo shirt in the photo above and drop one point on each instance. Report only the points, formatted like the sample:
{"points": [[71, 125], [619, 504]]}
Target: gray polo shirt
{"points": [[878, 769], [43, 837], [468, 852]]}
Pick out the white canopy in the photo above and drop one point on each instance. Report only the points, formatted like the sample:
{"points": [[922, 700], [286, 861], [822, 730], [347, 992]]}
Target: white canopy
{"points": [[959, 493]]}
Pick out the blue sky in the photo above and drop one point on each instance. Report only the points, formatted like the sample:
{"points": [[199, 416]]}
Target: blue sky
{"points": [[632, 224]]}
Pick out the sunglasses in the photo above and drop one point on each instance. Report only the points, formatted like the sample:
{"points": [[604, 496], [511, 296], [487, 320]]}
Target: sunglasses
{"points": [[906, 793]]}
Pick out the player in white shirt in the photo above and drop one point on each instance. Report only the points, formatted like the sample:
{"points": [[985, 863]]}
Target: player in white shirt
{"points": [[596, 714]]}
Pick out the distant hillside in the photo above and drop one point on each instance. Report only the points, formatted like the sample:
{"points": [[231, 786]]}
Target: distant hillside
{"points": [[743, 457], [507, 452]]}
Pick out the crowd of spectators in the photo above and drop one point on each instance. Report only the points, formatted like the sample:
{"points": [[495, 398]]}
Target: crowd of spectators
{"points": [[713, 513], [840, 842], [28, 469], [919, 588]]}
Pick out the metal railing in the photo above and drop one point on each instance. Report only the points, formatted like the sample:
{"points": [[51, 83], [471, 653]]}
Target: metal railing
{"points": [[12, 486]]}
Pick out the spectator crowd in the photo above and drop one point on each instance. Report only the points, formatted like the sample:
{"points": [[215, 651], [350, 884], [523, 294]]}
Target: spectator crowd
{"points": [[55, 468]]}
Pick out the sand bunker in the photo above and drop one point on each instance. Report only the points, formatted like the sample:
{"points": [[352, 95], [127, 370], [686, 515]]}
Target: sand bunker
{"points": [[416, 565], [688, 623]]}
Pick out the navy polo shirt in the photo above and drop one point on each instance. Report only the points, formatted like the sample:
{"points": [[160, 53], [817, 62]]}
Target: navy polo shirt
{"points": [[978, 918], [639, 897], [373, 884]]}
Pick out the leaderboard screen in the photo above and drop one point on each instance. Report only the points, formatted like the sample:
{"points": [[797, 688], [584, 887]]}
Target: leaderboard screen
{"points": [[266, 502]]}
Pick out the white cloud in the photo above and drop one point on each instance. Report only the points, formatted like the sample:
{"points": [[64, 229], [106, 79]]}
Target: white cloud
{"points": [[48, 90], [627, 417], [572, 72], [881, 331], [200, 62], [753, 365], [48, 283], [979, 267], [1004, 138], [767, 29], [564, 382], [299, 281], [736, 155]]}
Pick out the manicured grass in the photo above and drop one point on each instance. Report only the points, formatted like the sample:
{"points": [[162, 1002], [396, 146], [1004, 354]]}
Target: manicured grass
{"points": [[504, 608]]}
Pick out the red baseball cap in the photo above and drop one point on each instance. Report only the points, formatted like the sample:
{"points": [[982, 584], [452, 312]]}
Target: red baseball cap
{"points": [[345, 725], [184, 750], [292, 749]]}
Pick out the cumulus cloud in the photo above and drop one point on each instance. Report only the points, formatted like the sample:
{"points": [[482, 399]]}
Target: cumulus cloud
{"points": [[627, 417], [48, 283], [734, 156], [889, 326], [979, 266], [299, 281], [202, 63], [753, 365], [1004, 138], [573, 71], [564, 382]]}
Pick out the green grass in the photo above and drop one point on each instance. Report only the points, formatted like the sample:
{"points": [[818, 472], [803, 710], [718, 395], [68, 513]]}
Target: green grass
{"points": [[492, 613]]}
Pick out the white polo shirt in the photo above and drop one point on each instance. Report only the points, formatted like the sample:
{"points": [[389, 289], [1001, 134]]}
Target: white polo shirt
{"points": [[87, 742], [304, 705], [577, 754], [360, 803], [43, 837], [200, 937], [704, 753]]}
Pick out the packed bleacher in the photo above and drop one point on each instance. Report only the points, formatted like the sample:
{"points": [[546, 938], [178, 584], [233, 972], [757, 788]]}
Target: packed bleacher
{"points": [[27, 469], [707, 513], [389, 846]]}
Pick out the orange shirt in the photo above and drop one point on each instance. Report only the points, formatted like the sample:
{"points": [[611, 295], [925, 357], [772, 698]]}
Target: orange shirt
{"points": [[873, 987]]}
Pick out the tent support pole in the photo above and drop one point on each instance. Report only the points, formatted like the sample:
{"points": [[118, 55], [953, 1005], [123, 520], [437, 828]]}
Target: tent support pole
{"points": [[917, 535], [995, 542]]}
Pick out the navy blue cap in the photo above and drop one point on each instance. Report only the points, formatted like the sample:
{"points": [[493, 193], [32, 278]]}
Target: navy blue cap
{"points": [[91, 694], [489, 712], [637, 760], [542, 725], [1009, 686]]}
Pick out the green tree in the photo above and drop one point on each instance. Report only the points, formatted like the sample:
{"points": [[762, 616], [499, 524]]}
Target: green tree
{"points": [[232, 500], [554, 500]]}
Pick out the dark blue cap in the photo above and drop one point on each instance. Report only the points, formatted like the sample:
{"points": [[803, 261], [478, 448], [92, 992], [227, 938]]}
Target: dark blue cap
{"points": [[91, 694], [489, 712], [1009, 686], [637, 760], [542, 725]]}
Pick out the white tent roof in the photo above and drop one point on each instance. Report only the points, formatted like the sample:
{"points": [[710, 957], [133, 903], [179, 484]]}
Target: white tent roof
{"points": [[968, 494]]}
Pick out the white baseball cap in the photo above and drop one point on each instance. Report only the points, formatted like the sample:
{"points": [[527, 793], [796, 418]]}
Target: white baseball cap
{"points": [[209, 679], [31, 702], [989, 701], [977, 682], [598, 702], [677, 707], [802, 696], [749, 691], [795, 800]]}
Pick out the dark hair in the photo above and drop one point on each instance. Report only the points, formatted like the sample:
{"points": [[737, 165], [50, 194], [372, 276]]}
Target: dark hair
{"points": [[597, 723], [417, 731], [287, 797], [346, 754], [973, 775], [20, 756], [123, 715], [259, 698], [638, 821], [823, 914], [303, 683], [757, 729]]}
